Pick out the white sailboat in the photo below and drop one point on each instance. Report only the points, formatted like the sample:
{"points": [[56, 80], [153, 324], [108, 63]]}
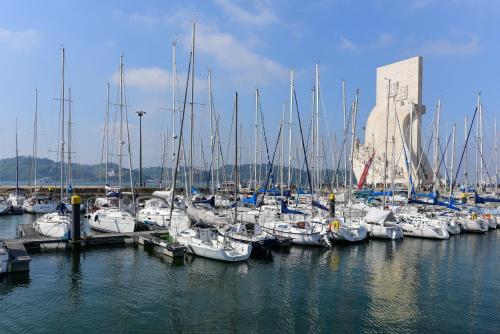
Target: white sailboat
{"points": [[115, 218], [38, 203], [57, 224], [157, 211], [17, 197], [382, 224]]}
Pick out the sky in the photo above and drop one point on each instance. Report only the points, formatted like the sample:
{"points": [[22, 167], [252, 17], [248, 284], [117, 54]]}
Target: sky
{"points": [[247, 45]]}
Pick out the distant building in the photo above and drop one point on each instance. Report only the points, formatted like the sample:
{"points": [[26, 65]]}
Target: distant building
{"points": [[402, 98]]}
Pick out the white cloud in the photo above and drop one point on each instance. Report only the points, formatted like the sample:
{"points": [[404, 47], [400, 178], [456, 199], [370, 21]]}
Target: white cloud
{"points": [[385, 40], [458, 45], [25, 39], [146, 78], [234, 56], [264, 15], [346, 45]]}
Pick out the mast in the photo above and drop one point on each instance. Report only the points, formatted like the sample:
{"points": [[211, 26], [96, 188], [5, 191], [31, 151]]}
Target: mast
{"points": [[352, 144], [496, 154], [317, 146], [256, 137], [191, 143], [290, 130], [62, 125], [212, 138], [236, 157], [436, 146], [481, 160], [17, 164], [106, 133], [282, 151], [476, 180], [452, 157], [174, 82], [386, 139], [35, 137], [345, 132], [466, 172], [121, 142], [69, 172]]}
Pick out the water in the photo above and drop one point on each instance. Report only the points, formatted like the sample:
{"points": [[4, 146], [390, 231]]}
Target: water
{"points": [[408, 286]]}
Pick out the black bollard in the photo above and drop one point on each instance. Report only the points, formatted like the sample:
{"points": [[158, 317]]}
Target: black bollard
{"points": [[75, 226]]}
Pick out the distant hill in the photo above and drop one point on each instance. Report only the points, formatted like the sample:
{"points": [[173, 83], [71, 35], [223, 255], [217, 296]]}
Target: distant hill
{"points": [[49, 170]]}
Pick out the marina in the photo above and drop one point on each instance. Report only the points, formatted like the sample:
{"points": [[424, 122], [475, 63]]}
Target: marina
{"points": [[162, 169]]}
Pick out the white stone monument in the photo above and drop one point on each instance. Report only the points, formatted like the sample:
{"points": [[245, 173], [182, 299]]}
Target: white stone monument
{"points": [[399, 92]]}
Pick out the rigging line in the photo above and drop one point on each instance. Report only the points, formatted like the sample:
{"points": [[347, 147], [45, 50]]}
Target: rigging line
{"points": [[344, 143], [271, 167], [174, 181], [303, 145], [463, 151]]}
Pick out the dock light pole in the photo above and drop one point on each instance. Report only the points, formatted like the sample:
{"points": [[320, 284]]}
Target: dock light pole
{"points": [[140, 113]]}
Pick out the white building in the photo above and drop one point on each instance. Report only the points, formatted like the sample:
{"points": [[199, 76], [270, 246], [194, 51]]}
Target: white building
{"points": [[403, 97]]}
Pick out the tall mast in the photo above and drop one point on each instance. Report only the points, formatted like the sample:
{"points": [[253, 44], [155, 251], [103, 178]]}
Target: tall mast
{"points": [[174, 83], [290, 130], [386, 138], [212, 138], [466, 172], [17, 164], [476, 180], [121, 142], [496, 154], [345, 132], [256, 137], [452, 158], [436, 146], [106, 133], [318, 178], [35, 137], [236, 157], [355, 110], [481, 160], [282, 151], [62, 125], [191, 143], [69, 172]]}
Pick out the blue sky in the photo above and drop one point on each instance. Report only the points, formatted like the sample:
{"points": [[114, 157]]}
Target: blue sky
{"points": [[247, 44]]}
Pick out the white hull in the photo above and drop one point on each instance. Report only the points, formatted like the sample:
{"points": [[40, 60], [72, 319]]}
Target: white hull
{"points": [[348, 234], [53, 225], [112, 220], [384, 232], [298, 236], [161, 219], [41, 208], [478, 226], [219, 249], [425, 231]]}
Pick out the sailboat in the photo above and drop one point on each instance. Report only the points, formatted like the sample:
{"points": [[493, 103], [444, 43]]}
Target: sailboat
{"points": [[38, 202], [347, 228], [57, 224], [17, 197], [115, 218]]}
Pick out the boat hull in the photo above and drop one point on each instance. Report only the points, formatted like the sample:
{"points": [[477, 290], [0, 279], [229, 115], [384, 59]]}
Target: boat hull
{"points": [[112, 221]]}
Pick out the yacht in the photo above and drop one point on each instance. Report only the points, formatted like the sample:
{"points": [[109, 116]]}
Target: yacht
{"points": [[208, 243], [382, 224]]}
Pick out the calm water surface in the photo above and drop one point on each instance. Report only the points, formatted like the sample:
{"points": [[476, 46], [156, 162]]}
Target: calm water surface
{"points": [[408, 286]]}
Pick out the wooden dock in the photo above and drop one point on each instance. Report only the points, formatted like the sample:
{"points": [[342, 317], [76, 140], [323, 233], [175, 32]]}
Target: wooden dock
{"points": [[31, 241]]}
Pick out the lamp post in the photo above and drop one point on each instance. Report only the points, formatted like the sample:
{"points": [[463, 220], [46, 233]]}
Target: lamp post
{"points": [[140, 113]]}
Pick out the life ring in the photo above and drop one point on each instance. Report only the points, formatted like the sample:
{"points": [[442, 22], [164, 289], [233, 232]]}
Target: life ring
{"points": [[335, 225], [486, 216], [474, 216]]}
